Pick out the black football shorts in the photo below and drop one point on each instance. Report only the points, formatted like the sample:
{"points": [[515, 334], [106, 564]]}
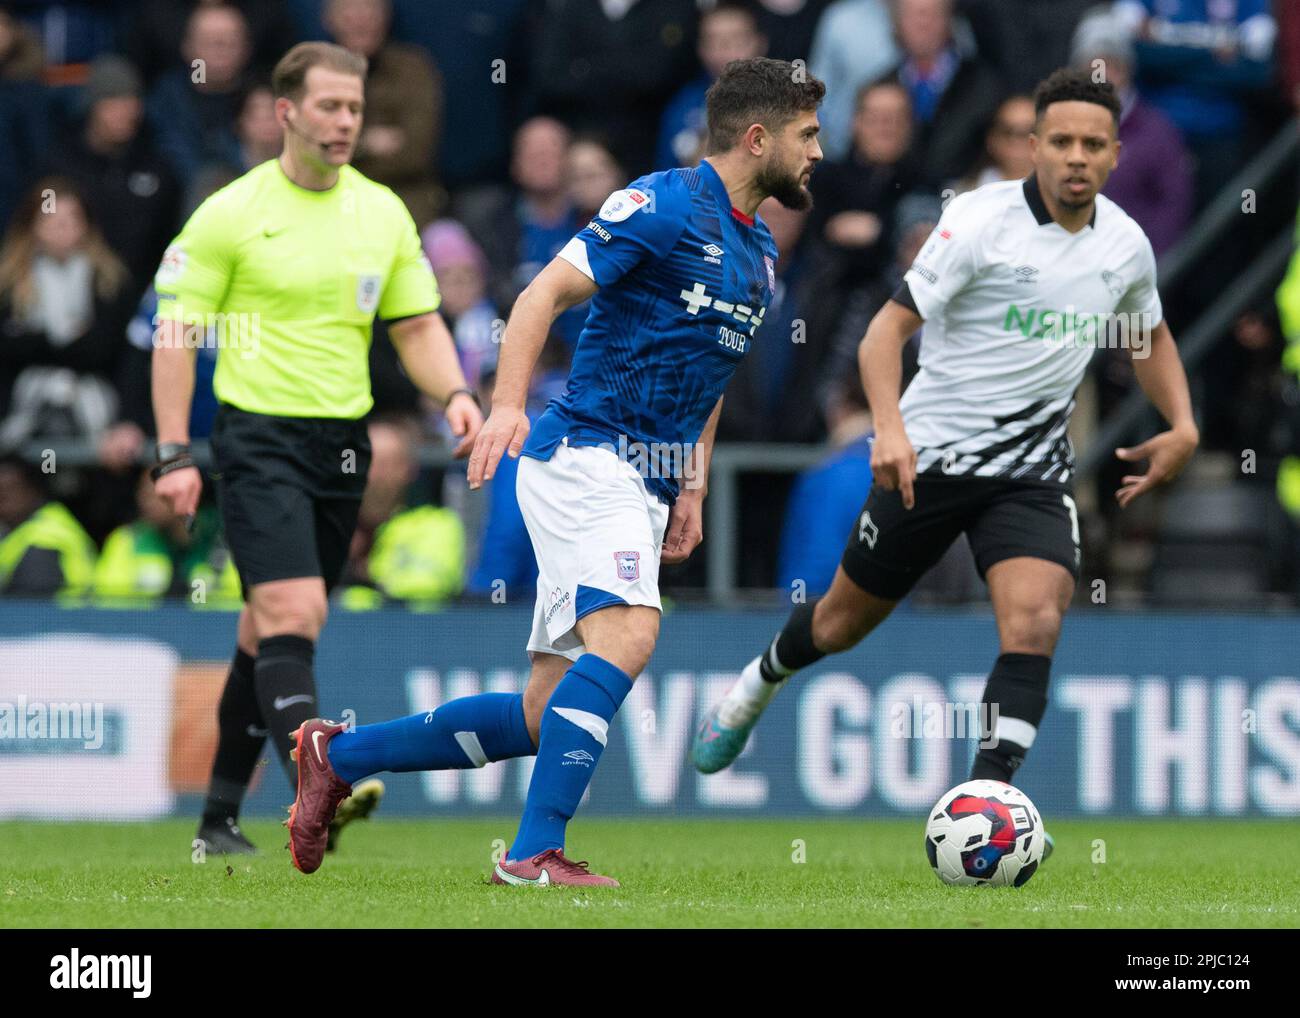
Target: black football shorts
{"points": [[891, 548], [289, 489]]}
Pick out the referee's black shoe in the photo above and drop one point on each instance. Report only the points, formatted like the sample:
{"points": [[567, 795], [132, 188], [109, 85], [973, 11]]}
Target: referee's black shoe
{"points": [[223, 837]]}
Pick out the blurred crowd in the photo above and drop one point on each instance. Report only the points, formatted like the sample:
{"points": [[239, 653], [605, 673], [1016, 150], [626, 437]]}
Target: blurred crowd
{"points": [[503, 125]]}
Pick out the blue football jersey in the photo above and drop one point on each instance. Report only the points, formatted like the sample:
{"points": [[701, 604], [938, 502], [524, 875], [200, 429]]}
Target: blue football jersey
{"points": [[684, 284]]}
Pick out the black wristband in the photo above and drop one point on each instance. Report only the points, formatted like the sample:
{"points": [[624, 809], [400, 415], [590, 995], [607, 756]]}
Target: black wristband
{"points": [[172, 450], [179, 463], [468, 392]]}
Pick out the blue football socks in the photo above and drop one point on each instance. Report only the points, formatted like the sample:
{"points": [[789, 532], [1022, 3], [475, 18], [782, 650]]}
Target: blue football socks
{"points": [[574, 730], [468, 732]]}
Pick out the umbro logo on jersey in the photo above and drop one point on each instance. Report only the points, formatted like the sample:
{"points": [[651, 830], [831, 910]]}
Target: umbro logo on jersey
{"points": [[1026, 274], [713, 254]]}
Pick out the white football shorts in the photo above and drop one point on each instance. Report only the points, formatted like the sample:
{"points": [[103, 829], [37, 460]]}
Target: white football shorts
{"points": [[596, 532]]}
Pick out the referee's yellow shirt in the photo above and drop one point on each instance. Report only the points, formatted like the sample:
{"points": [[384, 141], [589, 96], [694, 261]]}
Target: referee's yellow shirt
{"points": [[287, 282]]}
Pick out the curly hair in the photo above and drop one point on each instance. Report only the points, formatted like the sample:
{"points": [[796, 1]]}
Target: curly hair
{"points": [[1073, 84]]}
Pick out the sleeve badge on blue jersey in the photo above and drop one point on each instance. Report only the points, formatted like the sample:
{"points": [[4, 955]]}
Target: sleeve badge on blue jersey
{"points": [[771, 272], [621, 204]]}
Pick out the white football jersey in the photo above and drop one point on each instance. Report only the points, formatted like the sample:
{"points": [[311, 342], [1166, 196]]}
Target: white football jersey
{"points": [[1015, 306]]}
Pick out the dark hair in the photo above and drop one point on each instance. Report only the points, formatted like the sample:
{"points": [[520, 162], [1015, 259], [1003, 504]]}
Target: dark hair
{"points": [[290, 74], [745, 8], [1073, 84], [888, 81], [29, 473], [758, 91]]}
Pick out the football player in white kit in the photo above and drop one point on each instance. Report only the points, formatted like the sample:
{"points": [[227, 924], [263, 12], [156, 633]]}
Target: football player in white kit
{"points": [[1016, 286]]}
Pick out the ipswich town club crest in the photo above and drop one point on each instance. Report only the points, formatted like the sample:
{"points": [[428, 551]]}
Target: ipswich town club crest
{"points": [[629, 564]]}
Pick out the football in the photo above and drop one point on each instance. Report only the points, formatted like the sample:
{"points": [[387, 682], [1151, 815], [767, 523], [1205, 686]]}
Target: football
{"points": [[984, 832]]}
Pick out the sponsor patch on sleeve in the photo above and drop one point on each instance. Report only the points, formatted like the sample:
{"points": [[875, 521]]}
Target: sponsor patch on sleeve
{"points": [[621, 204], [172, 266]]}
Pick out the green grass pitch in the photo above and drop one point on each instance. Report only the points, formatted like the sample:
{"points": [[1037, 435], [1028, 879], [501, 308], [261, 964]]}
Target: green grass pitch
{"points": [[697, 873]]}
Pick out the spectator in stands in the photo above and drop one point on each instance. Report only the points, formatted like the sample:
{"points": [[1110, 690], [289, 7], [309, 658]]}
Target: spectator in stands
{"points": [[827, 498], [789, 26], [593, 174], [521, 228], [414, 555], [1153, 182], [403, 105], [1288, 23], [24, 110], [258, 136], [610, 68], [727, 32], [128, 184], [1025, 40], [461, 270], [72, 34], [914, 221], [854, 46], [954, 95], [65, 299], [1199, 61], [154, 34], [484, 52], [1006, 146], [1288, 310], [44, 551], [158, 556], [855, 198], [193, 108]]}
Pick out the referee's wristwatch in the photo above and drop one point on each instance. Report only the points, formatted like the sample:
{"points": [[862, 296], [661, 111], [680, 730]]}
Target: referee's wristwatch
{"points": [[172, 456], [462, 392]]}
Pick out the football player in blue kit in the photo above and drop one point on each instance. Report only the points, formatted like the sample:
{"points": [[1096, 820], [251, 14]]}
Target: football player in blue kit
{"points": [[679, 270]]}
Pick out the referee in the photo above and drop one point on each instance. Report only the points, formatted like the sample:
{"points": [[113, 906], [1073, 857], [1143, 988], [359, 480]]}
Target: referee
{"points": [[284, 270]]}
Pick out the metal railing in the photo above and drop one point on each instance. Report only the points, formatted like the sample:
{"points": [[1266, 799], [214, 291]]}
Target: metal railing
{"points": [[1218, 219], [731, 460]]}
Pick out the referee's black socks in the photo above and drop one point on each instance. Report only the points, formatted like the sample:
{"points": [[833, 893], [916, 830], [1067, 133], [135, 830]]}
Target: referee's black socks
{"points": [[1015, 698], [242, 735], [286, 690]]}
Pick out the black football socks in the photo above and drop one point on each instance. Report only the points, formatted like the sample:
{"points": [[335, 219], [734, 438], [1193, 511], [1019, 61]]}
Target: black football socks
{"points": [[286, 690], [793, 647], [239, 744], [1015, 698]]}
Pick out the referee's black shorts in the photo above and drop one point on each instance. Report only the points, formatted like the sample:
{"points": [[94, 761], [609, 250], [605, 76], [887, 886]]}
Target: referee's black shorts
{"points": [[289, 489], [891, 548]]}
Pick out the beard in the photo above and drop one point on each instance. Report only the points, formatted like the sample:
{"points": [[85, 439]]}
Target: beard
{"points": [[784, 186]]}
